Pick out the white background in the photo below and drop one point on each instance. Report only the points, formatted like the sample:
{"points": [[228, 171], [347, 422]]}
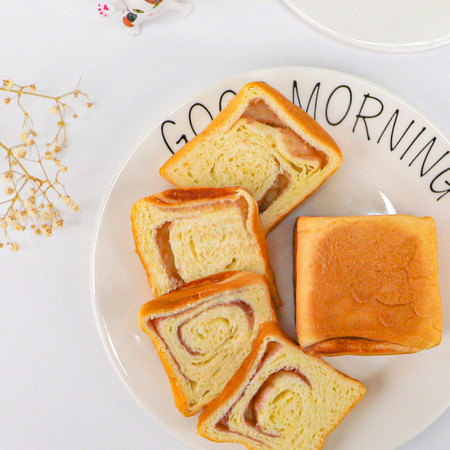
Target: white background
{"points": [[57, 387]]}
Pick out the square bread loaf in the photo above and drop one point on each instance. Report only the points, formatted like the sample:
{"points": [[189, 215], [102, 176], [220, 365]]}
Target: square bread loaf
{"points": [[280, 398], [185, 234], [367, 285], [263, 143], [204, 330]]}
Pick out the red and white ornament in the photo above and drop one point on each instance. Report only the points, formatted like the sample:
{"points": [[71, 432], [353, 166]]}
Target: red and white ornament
{"points": [[135, 12]]}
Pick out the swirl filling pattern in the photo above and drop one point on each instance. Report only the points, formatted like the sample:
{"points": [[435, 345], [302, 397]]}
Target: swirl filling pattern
{"points": [[205, 338], [280, 398]]}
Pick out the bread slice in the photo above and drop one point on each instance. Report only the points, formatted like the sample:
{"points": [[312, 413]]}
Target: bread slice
{"points": [[263, 143], [204, 330], [367, 285], [280, 398], [185, 234]]}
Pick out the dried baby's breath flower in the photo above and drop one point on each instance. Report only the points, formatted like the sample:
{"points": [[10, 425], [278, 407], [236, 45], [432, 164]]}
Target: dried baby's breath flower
{"points": [[74, 207], [8, 176], [22, 215], [58, 223], [19, 227], [8, 84], [19, 152], [30, 171], [29, 204], [47, 216], [66, 199], [46, 230]]}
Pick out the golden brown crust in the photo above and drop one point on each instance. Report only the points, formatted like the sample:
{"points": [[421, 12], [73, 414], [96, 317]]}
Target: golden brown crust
{"points": [[178, 396], [308, 125], [190, 293], [267, 331], [367, 285], [140, 255], [357, 346], [197, 196], [215, 278], [185, 296]]}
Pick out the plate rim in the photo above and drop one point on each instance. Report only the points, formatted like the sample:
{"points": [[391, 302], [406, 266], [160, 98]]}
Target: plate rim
{"points": [[367, 45], [102, 330]]}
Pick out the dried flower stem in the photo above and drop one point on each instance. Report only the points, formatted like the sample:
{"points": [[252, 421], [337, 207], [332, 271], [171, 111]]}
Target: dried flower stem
{"points": [[27, 167]]}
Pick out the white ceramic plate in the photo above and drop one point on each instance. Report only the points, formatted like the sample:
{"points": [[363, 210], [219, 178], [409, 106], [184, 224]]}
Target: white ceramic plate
{"points": [[386, 25], [404, 393]]}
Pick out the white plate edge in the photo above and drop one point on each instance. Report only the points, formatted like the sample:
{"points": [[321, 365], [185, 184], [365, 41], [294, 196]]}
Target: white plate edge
{"points": [[381, 48]]}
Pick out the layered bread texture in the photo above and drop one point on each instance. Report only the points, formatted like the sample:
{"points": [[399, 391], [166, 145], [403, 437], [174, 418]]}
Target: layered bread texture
{"points": [[263, 143], [280, 398], [367, 285], [185, 234], [203, 331]]}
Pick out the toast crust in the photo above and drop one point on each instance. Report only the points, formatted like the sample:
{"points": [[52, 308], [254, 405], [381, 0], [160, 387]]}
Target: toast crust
{"points": [[377, 279]]}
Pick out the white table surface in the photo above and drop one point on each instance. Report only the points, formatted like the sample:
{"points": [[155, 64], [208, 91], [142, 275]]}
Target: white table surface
{"points": [[58, 389]]}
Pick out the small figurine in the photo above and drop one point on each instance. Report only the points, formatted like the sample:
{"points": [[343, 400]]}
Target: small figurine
{"points": [[137, 11]]}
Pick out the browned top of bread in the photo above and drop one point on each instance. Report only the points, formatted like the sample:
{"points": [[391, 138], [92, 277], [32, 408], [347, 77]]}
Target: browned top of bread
{"points": [[367, 284]]}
